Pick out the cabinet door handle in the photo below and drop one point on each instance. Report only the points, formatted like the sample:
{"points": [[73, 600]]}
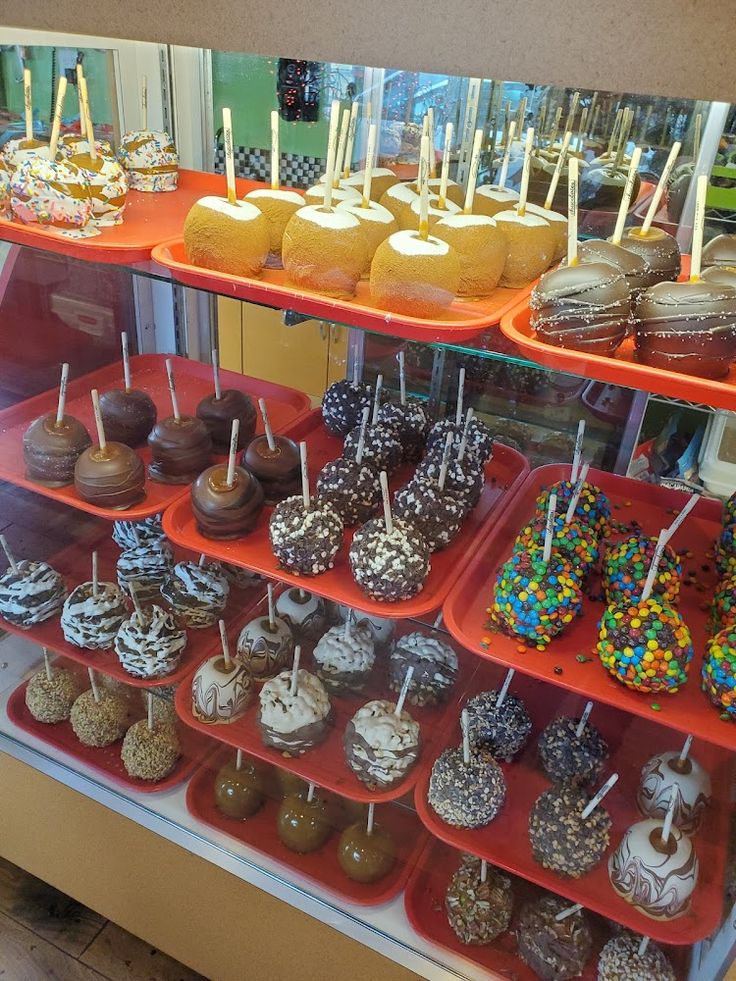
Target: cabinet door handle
{"points": [[323, 330], [335, 333]]}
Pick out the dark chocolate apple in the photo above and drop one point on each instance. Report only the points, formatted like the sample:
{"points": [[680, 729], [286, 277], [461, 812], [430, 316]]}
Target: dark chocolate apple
{"points": [[720, 275], [720, 251], [180, 450], [218, 414], [278, 470], [51, 451], [222, 511], [659, 250], [586, 307], [631, 265], [127, 415], [112, 477], [239, 793], [365, 857], [687, 327], [304, 825], [601, 187]]}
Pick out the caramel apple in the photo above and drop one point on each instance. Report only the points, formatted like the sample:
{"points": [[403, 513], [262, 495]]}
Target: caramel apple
{"points": [[225, 509], [129, 415], [110, 476], [659, 250], [239, 790], [51, 449], [303, 824], [180, 449], [218, 412], [275, 465], [365, 856]]}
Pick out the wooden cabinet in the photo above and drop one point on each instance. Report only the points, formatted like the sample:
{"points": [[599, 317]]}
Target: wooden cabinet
{"points": [[254, 340]]}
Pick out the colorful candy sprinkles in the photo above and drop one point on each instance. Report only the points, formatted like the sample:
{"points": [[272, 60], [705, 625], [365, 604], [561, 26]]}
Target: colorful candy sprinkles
{"points": [[718, 676]]}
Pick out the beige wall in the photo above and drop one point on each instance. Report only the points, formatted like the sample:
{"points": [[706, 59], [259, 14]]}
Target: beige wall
{"points": [[661, 47]]}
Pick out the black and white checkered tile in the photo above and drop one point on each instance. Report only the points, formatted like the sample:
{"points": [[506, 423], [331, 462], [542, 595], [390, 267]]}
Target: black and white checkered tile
{"points": [[255, 164]]}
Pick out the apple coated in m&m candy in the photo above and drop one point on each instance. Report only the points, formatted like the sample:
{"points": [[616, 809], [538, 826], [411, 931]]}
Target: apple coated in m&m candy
{"points": [[535, 599], [719, 671], [574, 542], [645, 646], [593, 508], [626, 566], [723, 610], [726, 552]]}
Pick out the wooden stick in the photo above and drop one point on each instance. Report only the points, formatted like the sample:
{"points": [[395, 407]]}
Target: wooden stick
{"points": [[352, 126], [572, 212], [93, 685], [216, 373], [346, 628], [95, 578], [465, 726], [126, 361], [172, 389], [611, 782], [136, 602], [227, 136], [578, 451], [361, 436], [28, 102], [377, 400], [82, 120], [576, 493], [685, 750], [202, 560], [62, 393], [581, 129], [643, 944], [505, 687], [404, 691], [98, 419], [424, 190], [696, 260], [569, 911], [623, 209], [371, 818], [696, 135], [549, 527], [310, 792], [46, 663], [445, 462], [87, 114], [275, 151], [386, 503], [660, 189], [521, 115], [583, 720], [8, 554], [438, 620], [150, 711], [239, 760], [557, 173], [460, 393], [331, 151], [483, 870], [623, 139], [58, 109], [473, 172], [271, 609], [614, 133], [225, 645], [555, 127], [341, 147], [232, 456], [526, 171], [594, 122], [401, 357], [305, 474], [144, 102], [370, 155], [431, 157], [656, 558], [667, 826], [267, 425], [295, 671], [464, 440], [692, 501], [574, 102], [445, 172], [503, 174]]}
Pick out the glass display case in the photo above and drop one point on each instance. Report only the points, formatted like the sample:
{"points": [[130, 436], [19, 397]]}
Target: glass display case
{"points": [[477, 716]]}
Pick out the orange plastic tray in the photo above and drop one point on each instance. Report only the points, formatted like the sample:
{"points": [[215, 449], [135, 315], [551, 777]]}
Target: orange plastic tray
{"points": [[322, 867], [149, 219], [622, 368], [60, 735], [505, 841], [424, 901], [504, 473], [325, 764], [73, 564], [465, 318], [465, 610], [193, 383]]}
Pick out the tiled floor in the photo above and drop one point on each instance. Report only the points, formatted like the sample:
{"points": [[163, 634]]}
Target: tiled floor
{"points": [[46, 936]]}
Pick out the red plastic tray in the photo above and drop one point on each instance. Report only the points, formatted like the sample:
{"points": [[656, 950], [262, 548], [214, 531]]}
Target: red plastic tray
{"points": [[74, 565], [465, 318], [322, 866], [505, 841], [193, 383], [504, 474], [194, 749], [653, 507], [424, 901], [325, 764], [148, 219], [621, 369]]}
